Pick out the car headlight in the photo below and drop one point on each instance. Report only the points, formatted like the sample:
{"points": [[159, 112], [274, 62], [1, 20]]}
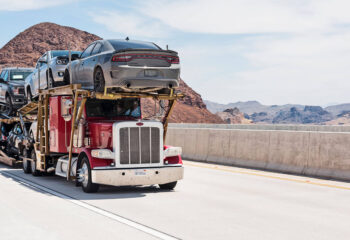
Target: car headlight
{"points": [[172, 151], [102, 153], [61, 61]]}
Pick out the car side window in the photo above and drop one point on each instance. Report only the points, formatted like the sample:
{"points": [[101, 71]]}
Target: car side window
{"points": [[97, 49], [6, 75], [87, 51], [44, 57]]}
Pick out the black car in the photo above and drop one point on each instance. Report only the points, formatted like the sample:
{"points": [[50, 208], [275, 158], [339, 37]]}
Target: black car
{"points": [[12, 88]]}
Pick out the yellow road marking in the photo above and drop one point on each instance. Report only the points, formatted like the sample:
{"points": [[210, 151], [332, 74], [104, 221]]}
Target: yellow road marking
{"points": [[268, 176]]}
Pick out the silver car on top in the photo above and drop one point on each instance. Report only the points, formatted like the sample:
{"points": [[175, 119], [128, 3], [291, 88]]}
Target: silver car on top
{"points": [[125, 65], [49, 71]]}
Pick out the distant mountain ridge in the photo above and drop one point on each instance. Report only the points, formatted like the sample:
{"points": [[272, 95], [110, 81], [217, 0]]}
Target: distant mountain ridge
{"points": [[288, 113]]}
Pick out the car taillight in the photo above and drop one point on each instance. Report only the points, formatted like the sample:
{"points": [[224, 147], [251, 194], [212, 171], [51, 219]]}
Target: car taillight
{"points": [[129, 57], [121, 58], [174, 60]]}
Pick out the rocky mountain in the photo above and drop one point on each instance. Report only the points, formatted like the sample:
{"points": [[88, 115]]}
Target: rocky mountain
{"points": [[250, 107], [310, 115], [286, 114], [338, 109], [233, 116], [24, 50]]}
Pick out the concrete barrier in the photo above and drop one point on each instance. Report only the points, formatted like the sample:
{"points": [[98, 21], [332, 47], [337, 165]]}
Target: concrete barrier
{"points": [[322, 151]]}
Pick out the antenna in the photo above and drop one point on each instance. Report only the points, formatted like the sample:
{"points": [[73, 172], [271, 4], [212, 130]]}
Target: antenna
{"points": [[127, 38], [167, 48]]}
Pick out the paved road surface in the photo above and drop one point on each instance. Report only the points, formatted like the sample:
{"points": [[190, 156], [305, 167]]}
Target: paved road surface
{"points": [[212, 202]]}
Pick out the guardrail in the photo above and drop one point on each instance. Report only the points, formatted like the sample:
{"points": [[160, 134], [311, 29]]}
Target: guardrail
{"points": [[322, 151]]}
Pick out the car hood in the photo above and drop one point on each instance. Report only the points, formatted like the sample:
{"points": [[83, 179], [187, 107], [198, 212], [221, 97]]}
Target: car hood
{"points": [[17, 83]]}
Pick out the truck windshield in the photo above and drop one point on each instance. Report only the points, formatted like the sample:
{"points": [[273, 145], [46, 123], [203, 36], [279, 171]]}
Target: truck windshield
{"points": [[113, 108], [14, 75]]}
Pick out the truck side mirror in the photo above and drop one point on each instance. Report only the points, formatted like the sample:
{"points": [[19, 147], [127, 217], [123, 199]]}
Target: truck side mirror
{"points": [[66, 106]]}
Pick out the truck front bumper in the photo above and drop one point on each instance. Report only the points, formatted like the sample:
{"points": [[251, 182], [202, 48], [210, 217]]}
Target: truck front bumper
{"points": [[139, 176]]}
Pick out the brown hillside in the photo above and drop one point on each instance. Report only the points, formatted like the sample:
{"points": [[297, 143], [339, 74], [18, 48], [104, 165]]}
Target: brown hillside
{"points": [[24, 50]]}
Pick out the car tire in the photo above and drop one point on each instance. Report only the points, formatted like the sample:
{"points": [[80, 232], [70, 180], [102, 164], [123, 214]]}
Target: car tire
{"points": [[50, 80], [66, 78], [168, 186], [29, 95], [35, 172], [84, 174], [99, 80], [9, 105], [26, 163]]}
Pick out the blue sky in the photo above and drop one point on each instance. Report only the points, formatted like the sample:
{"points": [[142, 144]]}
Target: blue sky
{"points": [[276, 52]]}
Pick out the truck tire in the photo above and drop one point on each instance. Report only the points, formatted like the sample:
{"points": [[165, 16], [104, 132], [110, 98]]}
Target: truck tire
{"points": [[168, 186], [26, 164], [84, 174], [35, 172]]}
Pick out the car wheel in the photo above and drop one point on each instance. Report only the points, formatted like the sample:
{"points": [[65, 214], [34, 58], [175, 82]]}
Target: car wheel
{"points": [[84, 175], [29, 95], [26, 164], [50, 81], [35, 172], [168, 186], [9, 105], [99, 80], [66, 78]]}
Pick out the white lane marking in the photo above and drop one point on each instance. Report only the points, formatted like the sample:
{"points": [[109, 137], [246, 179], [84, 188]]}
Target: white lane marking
{"points": [[100, 211]]}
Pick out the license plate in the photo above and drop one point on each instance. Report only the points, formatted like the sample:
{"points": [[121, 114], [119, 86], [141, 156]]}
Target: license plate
{"points": [[151, 73], [140, 172]]}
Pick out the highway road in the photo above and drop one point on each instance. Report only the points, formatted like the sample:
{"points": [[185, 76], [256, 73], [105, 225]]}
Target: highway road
{"points": [[212, 202]]}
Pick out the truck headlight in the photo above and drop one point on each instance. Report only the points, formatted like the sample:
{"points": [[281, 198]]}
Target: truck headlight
{"points": [[102, 153], [172, 151]]}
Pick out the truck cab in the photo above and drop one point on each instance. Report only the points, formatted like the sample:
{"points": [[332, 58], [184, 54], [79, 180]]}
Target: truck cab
{"points": [[112, 145]]}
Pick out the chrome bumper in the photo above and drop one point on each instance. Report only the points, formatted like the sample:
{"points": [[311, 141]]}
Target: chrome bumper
{"points": [[139, 176]]}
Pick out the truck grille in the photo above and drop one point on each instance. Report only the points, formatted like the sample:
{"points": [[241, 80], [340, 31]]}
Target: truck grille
{"points": [[139, 145]]}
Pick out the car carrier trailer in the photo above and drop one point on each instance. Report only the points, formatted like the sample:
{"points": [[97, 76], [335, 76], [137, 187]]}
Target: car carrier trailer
{"points": [[91, 150]]}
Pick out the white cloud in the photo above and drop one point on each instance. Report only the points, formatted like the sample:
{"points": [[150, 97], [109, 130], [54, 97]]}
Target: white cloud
{"points": [[22, 5], [301, 54], [129, 24], [248, 16]]}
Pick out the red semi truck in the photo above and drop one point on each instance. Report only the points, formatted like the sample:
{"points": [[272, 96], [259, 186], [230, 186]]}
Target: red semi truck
{"points": [[100, 139]]}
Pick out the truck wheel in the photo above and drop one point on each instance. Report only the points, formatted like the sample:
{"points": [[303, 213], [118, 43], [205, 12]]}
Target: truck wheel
{"points": [[35, 172], [26, 164], [9, 105], [168, 186], [99, 80], [84, 175]]}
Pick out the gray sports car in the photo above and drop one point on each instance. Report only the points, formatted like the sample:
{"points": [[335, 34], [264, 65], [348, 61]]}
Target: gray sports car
{"points": [[125, 65], [48, 72]]}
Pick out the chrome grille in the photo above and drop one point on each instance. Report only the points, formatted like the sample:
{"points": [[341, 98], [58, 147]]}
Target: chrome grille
{"points": [[139, 145]]}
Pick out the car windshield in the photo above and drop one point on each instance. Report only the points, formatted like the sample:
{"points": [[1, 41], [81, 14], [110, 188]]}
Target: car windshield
{"points": [[120, 45], [63, 53], [19, 75], [113, 108]]}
